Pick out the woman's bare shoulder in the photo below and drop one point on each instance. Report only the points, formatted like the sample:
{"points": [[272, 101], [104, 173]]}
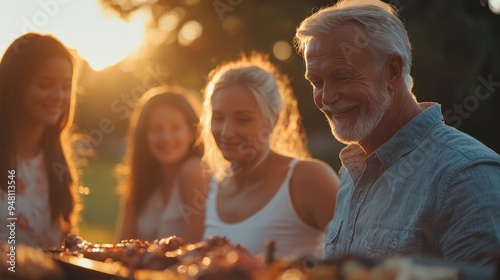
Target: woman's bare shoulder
{"points": [[192, 175], [314, 165], [316, 174], [190, 165], [314, 184]]}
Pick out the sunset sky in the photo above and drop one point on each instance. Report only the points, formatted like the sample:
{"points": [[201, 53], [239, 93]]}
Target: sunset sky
{"points": [[101, 38]]}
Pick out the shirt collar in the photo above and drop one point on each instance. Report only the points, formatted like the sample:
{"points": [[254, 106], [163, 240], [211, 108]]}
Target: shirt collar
{"points": [[402, 142], [410, 135]]}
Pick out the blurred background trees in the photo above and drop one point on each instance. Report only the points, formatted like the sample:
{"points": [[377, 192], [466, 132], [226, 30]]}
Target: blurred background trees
{"points": [[456, 47], [456, 62]]}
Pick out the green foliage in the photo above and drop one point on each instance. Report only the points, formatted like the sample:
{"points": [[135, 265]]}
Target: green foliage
{"points": [[454, 43]]}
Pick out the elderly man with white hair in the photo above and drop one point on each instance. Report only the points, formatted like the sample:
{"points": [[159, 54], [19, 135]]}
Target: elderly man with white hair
{"points": [[410, 184]]}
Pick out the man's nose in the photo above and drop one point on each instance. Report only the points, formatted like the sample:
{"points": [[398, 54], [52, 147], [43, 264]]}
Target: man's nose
{"points": [[329, 94]]}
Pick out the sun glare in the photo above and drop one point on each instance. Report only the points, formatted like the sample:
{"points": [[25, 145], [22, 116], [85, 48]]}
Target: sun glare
{"points": [[189, 32], [282, 50], [103, 40]]}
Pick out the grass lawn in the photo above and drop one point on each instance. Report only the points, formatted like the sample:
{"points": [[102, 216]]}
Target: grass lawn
{"points": [[101, 204]]}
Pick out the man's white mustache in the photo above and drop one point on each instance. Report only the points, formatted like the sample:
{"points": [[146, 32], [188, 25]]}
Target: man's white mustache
{"points": [[339, 106]]}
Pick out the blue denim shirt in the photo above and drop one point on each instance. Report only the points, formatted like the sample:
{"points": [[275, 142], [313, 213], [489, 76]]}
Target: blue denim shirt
{"points": [[430, 190]]}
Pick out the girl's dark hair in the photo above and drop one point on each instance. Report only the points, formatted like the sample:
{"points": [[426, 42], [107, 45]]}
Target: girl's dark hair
{"points": [[140, 169], [19, 64]]}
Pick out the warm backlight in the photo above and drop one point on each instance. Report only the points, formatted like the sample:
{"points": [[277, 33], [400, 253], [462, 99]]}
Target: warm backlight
{"points": [[102, 39]]}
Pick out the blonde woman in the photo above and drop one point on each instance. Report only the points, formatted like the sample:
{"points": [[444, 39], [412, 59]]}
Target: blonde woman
{"points": [[264, 186]]}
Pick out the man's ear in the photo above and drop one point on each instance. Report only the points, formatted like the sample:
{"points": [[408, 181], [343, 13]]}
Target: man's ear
{"points": [[394, 72]]}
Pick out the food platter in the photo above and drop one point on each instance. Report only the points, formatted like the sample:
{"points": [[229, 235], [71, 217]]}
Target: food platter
{"points": [[217, 258], [78, 268], [166, 259]]}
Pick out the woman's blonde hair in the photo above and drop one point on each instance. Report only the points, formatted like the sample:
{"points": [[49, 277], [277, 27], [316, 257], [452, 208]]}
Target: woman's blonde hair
{"points": [[275, 97]]}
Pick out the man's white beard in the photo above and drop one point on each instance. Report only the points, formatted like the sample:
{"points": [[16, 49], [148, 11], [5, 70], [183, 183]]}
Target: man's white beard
{"points": [[348, 133]]}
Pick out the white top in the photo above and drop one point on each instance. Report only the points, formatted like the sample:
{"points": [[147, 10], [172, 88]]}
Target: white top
{"points": [[158, 220], [277, 221], [32, 222]]}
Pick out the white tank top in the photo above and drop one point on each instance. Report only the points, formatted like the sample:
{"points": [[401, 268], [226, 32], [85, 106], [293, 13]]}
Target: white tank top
{"points": [[277, 221], [158, 220]]}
